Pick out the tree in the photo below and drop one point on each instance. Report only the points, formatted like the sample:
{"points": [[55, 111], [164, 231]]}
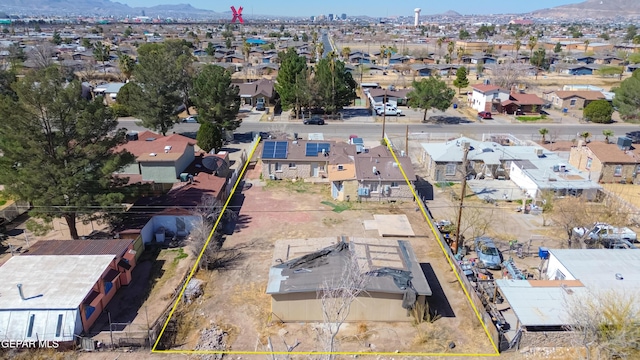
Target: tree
{"points": [[209, 137], [440, 42], [451, 47], [217, 102], [627, 98], [383, 51], [461, 80], [632, 31], [126, 65], [479, 69], [430, 93], [346, 51], [607, 71], [86, 43], [59, 149], [17, 56], [607, 134], [507, 74], [227, 43], [459, 54], [607, 323], [246, 50], [335, 84], [56, 39], [533, 42], [539, 60], [42, 55], [305, 37], [337, 295], [7, 79], [101, 53], [160, 81], [544, 132], [36, 28], [598, 111], [291, 65], [586, 45], [125, 97], [517, 46], [558, 48], [463, 34], [486, 31], [585, 135]]}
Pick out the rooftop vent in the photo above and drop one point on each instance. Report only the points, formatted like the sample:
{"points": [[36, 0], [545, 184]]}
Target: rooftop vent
{"points": [[150, 139], [624, 143], [153, 154], [167, 148]]}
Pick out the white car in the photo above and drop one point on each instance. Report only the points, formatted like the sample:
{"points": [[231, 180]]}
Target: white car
{"points": [[389, 111], [190, 119]]}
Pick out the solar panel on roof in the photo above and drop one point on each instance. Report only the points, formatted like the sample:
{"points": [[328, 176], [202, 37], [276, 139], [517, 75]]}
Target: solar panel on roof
{"points": [[275, 150], [314, 148]]}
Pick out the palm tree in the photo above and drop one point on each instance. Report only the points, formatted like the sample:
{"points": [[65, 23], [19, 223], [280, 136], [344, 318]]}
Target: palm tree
{"points": [[439, 43], [320, 50], [246, 50], [586, 45], [544, 132], [607, 134], [126, 65], [451, 46], [346, 51], [517, 45], [459, 54], [585, 135], [533, 41], [383, 51]]}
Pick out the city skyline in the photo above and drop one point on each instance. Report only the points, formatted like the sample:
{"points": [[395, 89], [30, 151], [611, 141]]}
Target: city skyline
{"points": [[373, 8]]}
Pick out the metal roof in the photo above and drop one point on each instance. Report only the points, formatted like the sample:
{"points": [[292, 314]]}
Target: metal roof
{"points": [[309, 273], [597, 268], [50, 281], [80, 247]]}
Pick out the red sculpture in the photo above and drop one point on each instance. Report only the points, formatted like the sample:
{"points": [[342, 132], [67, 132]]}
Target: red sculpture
{"points": [[237, 15]]}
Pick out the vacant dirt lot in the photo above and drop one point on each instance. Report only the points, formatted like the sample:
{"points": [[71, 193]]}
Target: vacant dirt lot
{"points": [[235, 296]]}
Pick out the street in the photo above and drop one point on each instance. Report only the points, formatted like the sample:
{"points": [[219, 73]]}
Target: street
{"points": [[372, 131]]}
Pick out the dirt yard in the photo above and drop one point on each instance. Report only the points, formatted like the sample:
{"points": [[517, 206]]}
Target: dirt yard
{"points": [[235, 296]]}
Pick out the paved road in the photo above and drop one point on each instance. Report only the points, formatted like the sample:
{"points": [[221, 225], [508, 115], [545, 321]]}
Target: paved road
{"points": [[374, 130], [326, 43]]}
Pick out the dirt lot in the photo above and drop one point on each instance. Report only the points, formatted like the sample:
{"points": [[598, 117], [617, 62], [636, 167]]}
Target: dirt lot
{"points": [[235, 296]]}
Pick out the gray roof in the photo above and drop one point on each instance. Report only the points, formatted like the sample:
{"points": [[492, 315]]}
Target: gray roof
{"points": [[379, 258], [597, 268], [110, 88], [386, 166]]}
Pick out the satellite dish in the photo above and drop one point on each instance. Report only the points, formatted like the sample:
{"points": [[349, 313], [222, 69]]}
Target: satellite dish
{"points": [[211, 163]]}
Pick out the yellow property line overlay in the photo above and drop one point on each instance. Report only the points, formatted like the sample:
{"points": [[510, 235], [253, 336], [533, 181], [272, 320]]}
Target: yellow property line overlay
{"points": [[193, 270]]}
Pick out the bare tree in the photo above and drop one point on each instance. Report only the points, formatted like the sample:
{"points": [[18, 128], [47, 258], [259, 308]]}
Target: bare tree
{"points": [[507, 74], [42, 55], [336, 296], [201, 234], [606, 323], [475, 222]]}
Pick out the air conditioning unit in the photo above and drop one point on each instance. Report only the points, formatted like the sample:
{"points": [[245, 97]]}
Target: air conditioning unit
{"points": [[539, 152]]}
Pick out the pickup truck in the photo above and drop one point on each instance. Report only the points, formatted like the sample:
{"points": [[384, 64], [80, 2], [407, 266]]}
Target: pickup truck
{"points": [[389, 111], [606, 234]]}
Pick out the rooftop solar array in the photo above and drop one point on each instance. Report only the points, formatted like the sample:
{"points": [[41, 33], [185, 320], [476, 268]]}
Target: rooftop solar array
{"points": [[275, 150], [314, 148]]}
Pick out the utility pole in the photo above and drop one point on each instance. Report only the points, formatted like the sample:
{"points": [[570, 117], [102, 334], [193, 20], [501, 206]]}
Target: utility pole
{"points": [[384, 112], [458, 243], [406, 142]]}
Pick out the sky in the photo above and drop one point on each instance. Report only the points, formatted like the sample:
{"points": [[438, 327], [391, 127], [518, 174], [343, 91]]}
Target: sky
{"points": [[374, 8]]}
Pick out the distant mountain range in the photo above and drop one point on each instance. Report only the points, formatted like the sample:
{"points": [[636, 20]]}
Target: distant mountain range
{"points": [[586, 9], [103, 8], [595, 9]]}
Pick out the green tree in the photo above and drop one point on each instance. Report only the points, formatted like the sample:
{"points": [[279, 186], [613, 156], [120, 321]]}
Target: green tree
{"points": [[539, 60], [127, 32], [598, 111], [486, 31], [36, 28], [543, 132], [159, 82], [607, 135], [627, 98], [291, 64], [610, 71], [7, 79], [17, 56], [558, 48], [461, 80], [227, 43], [125, 97], [463, 34], [57, 40], [209, 137], [517, 45], [430, 93], [58, 149], [632, 31], [86, 43], [585, 135], [305, 37], [217, 101], [533, 42], [101, 53], [335, 84], [126, 65]]}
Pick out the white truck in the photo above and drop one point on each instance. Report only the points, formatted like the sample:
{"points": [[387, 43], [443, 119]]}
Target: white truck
{"points": [[609, 236]]}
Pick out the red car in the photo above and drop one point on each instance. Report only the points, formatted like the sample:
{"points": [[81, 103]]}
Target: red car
{"points": [[484, 115]]}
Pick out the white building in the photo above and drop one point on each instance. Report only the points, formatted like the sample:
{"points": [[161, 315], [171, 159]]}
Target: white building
{"points": [[483, 96]]}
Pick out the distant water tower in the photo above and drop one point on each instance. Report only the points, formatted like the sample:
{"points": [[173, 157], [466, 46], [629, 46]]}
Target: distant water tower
{"points": [[416, 19]]}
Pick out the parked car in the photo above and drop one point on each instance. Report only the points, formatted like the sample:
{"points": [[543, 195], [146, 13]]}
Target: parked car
{"points": [[389, 111], [314, 120], [260, 106], [488, 254], [190, 119], [485, 115], [606, 234]]}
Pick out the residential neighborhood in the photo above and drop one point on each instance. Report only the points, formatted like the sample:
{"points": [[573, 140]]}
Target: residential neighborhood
{"points": [[319, 187]]}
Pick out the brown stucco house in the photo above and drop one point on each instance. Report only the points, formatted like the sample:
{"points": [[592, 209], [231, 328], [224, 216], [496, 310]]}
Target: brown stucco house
{"points": [[572, 99], [296, 159], [257, 91], [380, 178], [520, 102], [607, 163]]}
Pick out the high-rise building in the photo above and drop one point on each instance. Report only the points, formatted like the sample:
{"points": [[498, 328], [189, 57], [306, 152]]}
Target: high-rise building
{"points": [[343, 16], [416, 19], [312, 18], [330, 17]]}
